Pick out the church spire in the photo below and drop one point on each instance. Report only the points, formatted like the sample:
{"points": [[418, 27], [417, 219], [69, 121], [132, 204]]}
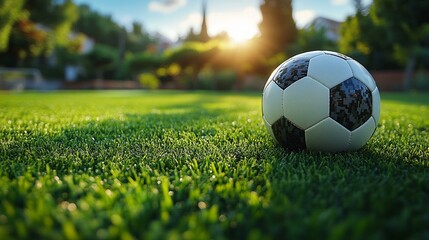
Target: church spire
{"points": [[204, 36]]}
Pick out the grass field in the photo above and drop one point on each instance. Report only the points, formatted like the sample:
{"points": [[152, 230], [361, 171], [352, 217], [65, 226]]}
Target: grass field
{"points": [[199, 165]]}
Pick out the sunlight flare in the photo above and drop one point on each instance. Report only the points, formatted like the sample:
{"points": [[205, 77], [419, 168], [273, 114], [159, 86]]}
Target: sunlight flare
{"points": [[240, 25]]}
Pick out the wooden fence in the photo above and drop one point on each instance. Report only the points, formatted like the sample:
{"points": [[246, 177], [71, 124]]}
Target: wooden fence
{"points": [[393, 80]]}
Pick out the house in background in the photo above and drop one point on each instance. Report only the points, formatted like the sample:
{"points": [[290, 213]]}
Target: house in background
{"points": [[72, 71], [160, 44], [331, 27]]}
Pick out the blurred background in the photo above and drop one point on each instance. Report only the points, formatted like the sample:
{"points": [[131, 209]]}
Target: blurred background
{"points": [[203, 44]]}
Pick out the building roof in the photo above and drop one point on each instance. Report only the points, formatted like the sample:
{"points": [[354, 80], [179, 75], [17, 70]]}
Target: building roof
{"points": [[331, 27]]}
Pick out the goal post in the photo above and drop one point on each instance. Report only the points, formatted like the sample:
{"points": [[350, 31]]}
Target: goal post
{"points": [[20, 78]]}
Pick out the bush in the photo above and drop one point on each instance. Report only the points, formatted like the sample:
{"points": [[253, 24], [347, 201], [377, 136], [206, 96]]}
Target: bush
{"points": [[226, 79], [217, 80], [144, 61], [149, 81], [206, 79]]}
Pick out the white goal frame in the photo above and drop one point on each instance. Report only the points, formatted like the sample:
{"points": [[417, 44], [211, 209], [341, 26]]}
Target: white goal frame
{"points": [[19, 79]]}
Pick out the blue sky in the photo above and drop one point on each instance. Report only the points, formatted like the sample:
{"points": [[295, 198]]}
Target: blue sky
{"points": [[237, 17]]}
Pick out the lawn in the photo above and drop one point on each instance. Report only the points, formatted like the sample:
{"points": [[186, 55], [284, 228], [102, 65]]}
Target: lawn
{"points": [[199, 165]]}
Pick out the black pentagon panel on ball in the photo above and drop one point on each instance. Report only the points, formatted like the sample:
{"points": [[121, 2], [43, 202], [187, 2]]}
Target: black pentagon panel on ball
{"points": [[289, 135], [291, 72], [350, 103]]}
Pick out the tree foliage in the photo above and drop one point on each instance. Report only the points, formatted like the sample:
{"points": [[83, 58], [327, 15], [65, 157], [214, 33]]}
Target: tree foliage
{"points": [[192, 57], [10, 12], [403, 26], [101, 59], [28, 40], [137, 40], [59, 16], [407, 21], [392, 33], [102, 28], [407, 24], [360, 38], [39, 26], [144, 61], [312, 39]]}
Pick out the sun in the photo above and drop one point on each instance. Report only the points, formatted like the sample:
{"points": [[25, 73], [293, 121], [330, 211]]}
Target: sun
{"points": [[241, 25], [240, 33]]}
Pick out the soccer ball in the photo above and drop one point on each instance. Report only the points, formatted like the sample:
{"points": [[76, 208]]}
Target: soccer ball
{"points": [[322, 101]]}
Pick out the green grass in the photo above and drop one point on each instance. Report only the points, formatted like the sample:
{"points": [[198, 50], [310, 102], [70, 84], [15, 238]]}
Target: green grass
{"points": [[199, 165]]}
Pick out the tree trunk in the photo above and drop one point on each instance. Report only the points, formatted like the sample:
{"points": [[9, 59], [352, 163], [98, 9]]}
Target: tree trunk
{"points": [[409, 70], [122, 47]]}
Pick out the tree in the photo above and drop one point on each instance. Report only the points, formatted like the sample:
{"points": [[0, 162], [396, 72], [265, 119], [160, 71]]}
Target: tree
{"points": [[408, 30], [69, 15], [102, 28], [192, 57], [101, 59], [360, 8], [59, 16], [138, 39], [143, 62], [105, 31], [360, 39], [191, 36], [26, 42], [391, 33], [312, 39], [278, 29], [10, 12], [40, 26]]}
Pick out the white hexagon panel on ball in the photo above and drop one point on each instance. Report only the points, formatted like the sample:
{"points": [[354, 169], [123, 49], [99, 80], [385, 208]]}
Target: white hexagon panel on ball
{"points": [[362, 74], [376, 105], [306, 102], [308, 55], [330, 70], [272, 108], [269, 129], [327, 135], [360, 136]]}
